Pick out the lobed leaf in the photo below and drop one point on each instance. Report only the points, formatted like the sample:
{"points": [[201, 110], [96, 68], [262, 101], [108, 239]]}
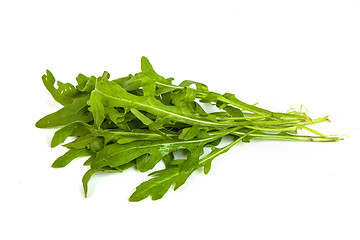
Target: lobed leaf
{"points": [[84, 141], [69, 156], [112, 94], [117, 154], [157, 187], [58, 94], [85, 84], [97, 109], [114, 115], [75, 111], [72, 129]]}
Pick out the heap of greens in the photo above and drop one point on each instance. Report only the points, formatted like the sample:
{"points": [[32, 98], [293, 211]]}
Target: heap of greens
{"points": [[143, 119]]}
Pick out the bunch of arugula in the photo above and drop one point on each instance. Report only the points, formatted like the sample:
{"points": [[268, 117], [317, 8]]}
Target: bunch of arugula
{"points": [[142, 119]]}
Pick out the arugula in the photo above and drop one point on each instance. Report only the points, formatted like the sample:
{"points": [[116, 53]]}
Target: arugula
{"points": [[140, 120]]}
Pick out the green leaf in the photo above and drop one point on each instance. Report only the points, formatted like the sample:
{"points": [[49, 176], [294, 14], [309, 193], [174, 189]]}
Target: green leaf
{"points": [[87, 176], [146, 65], [117, 154], [85, 84], [76, 128], [83, 141], [209, 97], [112, 94], [67, 89], [89, 160], [116, 135], [157, 186], [76, 111], [168, 159], [148, 70], [192, 161], [106, 75], [144, 119], [234, 112], [131, 84], [58, 94], [69, 156], [189, 133], [86, 179], [199, 86], [162, 180], [114, 115], [185, 99], [62, 134], [123, 80], [97, 109], [206, 161]]}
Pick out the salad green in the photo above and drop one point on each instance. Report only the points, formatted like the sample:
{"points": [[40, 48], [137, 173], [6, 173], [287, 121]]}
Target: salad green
{"points": [[140, 120]]}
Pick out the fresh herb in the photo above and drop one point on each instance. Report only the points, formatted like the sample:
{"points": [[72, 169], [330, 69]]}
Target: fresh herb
{"points": [[143, 119]]}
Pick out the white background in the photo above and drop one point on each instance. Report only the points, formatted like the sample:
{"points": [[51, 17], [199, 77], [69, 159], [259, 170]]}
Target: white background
{"points": [[278, 53]]}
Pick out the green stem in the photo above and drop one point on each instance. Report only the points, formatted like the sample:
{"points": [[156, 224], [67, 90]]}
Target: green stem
{"points": [[311, 130], [214, 154], [293, 125], [242, 118], [274, 129], [288, 137]]}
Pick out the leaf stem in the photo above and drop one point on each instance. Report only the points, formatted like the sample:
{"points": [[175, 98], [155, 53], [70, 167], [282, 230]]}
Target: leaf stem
{"points": [[213, 155], [288, 137]]}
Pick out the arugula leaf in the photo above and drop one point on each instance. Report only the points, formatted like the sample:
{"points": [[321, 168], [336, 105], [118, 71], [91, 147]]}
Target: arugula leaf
{"points": [[114, 115], [162, 180], [75, 111], [97, 109], [85, 141], [148, 70], [159, 185], [135, 135], [112, 94], [86, 179], [62, 134], [189, 133], [85, 84], [117, 154], [87, 176], [72, 129], [63, 94], [69, 156], [144, 119], [199, 86]]}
